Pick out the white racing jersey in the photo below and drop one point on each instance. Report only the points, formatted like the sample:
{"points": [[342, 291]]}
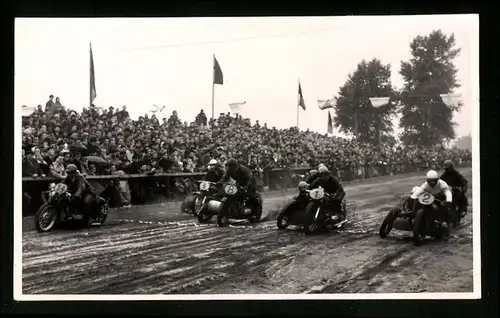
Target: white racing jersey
{"points": [[440, 188]]}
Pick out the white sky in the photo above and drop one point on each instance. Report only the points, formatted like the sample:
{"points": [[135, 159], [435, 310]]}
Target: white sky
{"points": [[140, 62]]}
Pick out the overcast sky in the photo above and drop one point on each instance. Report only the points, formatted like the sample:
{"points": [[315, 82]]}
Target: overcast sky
{"points": [[140, 62]]}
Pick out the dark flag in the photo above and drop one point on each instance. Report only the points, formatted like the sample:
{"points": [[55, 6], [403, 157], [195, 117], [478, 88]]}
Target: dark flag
{"points": [[218, 77], [93, 93], [330, 124], [301, 98]]}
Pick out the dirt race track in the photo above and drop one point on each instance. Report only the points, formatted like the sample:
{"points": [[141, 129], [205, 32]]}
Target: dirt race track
{"points": [[159, 250]]}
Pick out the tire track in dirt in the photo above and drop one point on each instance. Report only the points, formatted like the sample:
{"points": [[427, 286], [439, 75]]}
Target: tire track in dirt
{"points": [[142, 253]]}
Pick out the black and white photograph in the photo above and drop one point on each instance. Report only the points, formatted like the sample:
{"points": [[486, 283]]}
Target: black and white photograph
{"points": [[327, 157]]}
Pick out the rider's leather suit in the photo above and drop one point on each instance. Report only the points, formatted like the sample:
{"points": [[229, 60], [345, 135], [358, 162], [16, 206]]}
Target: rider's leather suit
{"points": [[332, 186], [440, 191], [83, 194], [244, 178], [455, 180]]}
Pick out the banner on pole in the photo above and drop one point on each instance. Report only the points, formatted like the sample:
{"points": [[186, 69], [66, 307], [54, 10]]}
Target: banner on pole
{"points": [[236, 107]]}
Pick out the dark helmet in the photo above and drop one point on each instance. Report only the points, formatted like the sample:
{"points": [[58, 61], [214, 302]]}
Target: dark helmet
{"points": [[448, 164], [71, 168], [232, 163]]}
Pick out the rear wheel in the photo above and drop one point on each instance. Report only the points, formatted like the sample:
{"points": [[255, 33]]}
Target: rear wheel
{"points": [[45, 218], [386, 226], [310, 224], [455, 216]]}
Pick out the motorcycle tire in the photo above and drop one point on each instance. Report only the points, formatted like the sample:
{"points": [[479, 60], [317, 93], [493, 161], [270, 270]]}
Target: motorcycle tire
{"points": [[187, 205], [284, 215], [204, 215], [256, 218], [223, 216], [104, 213], [310, 226], [40, 213], [386, 226], [419, 224]]}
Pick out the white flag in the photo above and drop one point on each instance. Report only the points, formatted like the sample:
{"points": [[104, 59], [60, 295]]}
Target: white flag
{"points": [[326, 103], [379, 101], [450, 99], [157, 109], [26, 111], [236, 107]]}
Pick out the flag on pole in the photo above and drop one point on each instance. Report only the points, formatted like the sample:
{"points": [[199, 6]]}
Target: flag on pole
{"points": [[326, 103], [301, 98], [157, 109], [330, 124], [379, 101], [236, 107], [218, 76], [93, 92], [27, 111]]}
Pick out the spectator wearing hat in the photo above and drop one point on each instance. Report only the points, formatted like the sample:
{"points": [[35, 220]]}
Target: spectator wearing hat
{"points": [[49, 104]]}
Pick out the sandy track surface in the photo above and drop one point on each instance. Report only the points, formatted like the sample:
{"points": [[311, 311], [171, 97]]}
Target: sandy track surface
{"points": [[157, 249]]}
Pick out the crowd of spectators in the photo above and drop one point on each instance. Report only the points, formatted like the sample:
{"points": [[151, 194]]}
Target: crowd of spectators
{"points": [[108, 142], [105, 141]]}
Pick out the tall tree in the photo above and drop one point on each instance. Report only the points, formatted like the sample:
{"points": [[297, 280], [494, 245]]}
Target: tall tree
{"points": [[425, 118], [464, 142], [353, 111]]}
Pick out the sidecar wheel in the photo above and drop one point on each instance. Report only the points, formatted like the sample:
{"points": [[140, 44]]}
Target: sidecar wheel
{"points": [[386, 226]]}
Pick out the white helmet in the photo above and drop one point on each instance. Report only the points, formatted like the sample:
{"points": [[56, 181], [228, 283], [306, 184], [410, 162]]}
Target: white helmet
{"points": [[432, 175], [302, 185], [321, 165], [323, 169], [212, 162]]}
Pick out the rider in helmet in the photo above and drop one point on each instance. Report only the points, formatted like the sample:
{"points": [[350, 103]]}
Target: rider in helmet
{"points": [[243, 176], [437, 188], [83, 194], [331, 185], [215, 171], [457, 182], [313, 175]]}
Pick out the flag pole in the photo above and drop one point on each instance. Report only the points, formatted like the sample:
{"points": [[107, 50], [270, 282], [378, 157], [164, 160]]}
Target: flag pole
{"points": [[298, 102], [90, 74], [213, 84]]}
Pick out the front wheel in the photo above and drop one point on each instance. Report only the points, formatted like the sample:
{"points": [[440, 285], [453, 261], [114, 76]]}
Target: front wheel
{"points": [[204, 215], [45, 218], [419, 225], [257, 214], [223, 215], [104, 213], [310, 223], [386, 226]]}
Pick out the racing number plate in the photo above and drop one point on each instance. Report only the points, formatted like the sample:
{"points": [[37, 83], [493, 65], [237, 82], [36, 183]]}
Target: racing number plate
{"points": [[204, 186], [316, 194], [230, 189], [426, 198]]}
